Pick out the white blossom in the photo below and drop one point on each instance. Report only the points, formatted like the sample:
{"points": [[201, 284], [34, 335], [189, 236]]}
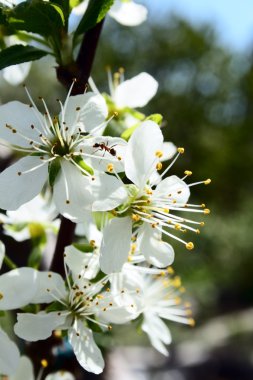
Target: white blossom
{"points": [[59, 146], [151, 209], [28, 220], [128, 12], [81, 302]]}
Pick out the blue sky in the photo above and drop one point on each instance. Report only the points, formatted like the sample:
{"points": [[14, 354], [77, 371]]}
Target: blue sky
{"points": [[233, 19]]}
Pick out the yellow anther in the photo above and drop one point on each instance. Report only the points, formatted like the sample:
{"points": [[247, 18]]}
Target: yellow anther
{"points": [[177, 227], [180, 150], [99, 296], [44, 363], [154, 225], [203, 205], [166, 210], [189, 245], [109, 328], [115, 113], [58, 333], [187, 304], [197, 231], [170, 270], [159, 166], [159, 153], [202, 224], [1, 296], [119, 158], [206, 211], [207, 181], [133, 248], [129, 259], [149, 191], [136, 217], [110, 168], [93, 243], [191, 322], [177, 300], [121, 70], [188, 172], [176, 282], [182, 289]]}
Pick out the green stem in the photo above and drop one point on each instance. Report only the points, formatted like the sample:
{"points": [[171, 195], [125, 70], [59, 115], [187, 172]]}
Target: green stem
{"points": [[10, 264]]}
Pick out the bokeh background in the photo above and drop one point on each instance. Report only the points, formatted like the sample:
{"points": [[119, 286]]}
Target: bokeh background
{"points": [[201, 54]]}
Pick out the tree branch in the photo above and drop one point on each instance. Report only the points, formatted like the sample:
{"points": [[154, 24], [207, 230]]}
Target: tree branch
{"points": [[81, 70]]}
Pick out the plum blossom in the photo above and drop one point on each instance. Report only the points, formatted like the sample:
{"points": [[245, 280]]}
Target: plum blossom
{"points": [[73, 308], [55, 149], [30, 219], [133, 93], [128, 12], [152, 208]]}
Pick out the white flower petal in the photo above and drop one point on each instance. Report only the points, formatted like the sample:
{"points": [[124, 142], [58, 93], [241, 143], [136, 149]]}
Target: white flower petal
{"points": [[108, 192], [85, 111], [17, 288], [128, 13], [94, 147], [157, 331], [16, 189], [16, 74], [2, 253], [37, 210], [135, 92], [173, 188], [155, 251], [33, 327], [60, 375], [141, 160], [72, 194], [21, 235], [115, 244], [49, 284], [87, 352], [20, 117], [9, 355], [76, 16], [84, 263], [24, 370], [169, 150]]}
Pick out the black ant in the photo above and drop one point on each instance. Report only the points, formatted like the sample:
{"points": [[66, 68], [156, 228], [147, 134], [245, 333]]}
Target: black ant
{"points": [[102, 146]]}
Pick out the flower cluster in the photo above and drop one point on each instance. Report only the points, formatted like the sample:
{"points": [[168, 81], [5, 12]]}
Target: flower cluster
{"points": [[103, 165], [126, 208]]}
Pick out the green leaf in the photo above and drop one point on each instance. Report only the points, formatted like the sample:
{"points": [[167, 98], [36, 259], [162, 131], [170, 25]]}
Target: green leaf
{"points": [[35, 258], [79, 160], [18, 54], [129, 131], [95, 12], [2, 17], [39, 17], [53, 170], [83, 247], [156, 117]]}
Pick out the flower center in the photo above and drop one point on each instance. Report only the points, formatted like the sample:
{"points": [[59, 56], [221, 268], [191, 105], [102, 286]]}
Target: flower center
{"points": [[60, 149]]}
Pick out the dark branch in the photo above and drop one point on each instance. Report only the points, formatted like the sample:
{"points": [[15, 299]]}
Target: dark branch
{"points": [[80, 70]]}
